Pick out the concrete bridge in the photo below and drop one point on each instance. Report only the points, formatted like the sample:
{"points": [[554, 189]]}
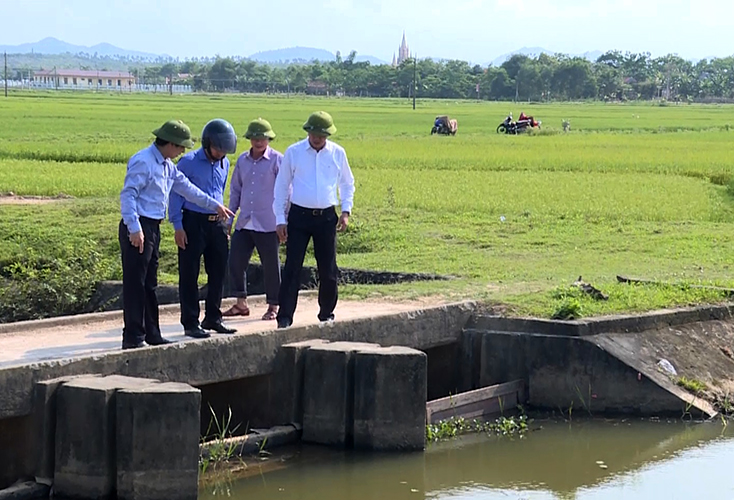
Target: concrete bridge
{"points": [[602, 366]]}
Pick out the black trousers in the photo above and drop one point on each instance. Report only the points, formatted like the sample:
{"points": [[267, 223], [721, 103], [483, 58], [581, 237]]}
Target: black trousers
{"points": [[207, 238], [244, 241], [139, 284], [304, 224]]}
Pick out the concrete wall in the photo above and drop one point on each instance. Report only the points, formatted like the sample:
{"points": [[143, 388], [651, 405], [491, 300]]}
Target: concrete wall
{"points": [[234, 371], [17, 447], [257, 402], [236, 357], [563, 363], [443, 370], [254, 402], [573, 372]]}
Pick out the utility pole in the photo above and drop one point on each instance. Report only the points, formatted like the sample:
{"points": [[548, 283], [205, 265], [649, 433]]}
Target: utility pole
{"points": [[415, 86], [6, 74]]}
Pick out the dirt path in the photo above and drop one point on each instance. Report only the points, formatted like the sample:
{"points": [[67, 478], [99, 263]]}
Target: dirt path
{"points": [[13, 199], [92, 336]]}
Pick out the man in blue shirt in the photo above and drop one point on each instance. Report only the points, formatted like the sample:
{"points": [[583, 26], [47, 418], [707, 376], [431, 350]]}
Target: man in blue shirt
{"points": [[199, 231], [150, 177]]}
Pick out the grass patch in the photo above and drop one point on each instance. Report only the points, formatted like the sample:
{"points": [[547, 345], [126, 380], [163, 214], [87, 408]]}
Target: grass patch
{"points": [[638, 190], [691, 385]]}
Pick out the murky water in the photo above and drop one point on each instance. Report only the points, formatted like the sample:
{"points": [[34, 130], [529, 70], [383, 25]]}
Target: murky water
{"points": [[640, 460]]}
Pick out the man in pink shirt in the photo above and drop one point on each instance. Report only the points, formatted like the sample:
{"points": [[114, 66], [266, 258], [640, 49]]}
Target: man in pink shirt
{"points": [[251, 192]]}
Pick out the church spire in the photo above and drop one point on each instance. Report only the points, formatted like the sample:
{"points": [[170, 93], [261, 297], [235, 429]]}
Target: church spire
{"points": [[404, 51]]}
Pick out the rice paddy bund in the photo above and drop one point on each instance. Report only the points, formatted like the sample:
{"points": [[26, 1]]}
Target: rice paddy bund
{"points": [[634, 190]]}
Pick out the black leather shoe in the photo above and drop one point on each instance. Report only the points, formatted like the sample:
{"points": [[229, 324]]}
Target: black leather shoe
{"points": [[284, 322], [218, 327], [158, 341], [135, 345], [197, 333]]}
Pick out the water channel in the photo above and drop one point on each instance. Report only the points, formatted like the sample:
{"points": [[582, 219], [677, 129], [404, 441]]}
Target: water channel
{"points": [[580, 460]]}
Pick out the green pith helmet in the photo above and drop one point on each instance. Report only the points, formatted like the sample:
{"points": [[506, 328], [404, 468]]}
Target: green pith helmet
{"points": [[175, 132], [320, 123], [258, 129]]}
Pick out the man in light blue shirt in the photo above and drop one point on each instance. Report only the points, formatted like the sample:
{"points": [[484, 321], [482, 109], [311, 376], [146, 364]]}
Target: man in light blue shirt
{"points": [[200, 232], [150, 177]]}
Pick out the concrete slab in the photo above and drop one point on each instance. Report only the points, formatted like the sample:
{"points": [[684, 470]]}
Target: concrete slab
{"points": [[44, 423], [90, 336], [157, 442], [390, 388], [290, 367], [328, 393], [85, 436]]}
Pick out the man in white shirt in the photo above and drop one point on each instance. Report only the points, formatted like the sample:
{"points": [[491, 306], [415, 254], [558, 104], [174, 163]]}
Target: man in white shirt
{"points": [[313, 170]]}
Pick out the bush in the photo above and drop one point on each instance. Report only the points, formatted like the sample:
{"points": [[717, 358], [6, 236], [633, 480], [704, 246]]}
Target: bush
{"points": [[569, 306], [38, 286], [569, 309]]}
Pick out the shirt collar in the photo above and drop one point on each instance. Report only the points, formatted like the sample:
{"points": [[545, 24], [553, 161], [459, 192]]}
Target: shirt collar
{"points": [[201, 155], [326, 147], [157, 154], [266, 154]]}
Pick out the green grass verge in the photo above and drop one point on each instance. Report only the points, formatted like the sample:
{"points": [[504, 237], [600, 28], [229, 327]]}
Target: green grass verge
{"points": [[635, 190]]}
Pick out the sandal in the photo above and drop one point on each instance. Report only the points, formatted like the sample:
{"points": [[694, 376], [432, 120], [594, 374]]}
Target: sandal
{"points": [[270, 314], [237, 310]]}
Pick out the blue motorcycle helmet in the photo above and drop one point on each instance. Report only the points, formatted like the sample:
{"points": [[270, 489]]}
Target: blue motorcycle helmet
{"points": [[219, 134]]}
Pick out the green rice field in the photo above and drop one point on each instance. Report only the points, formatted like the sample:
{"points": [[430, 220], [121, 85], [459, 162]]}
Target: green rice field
{"points": [[635, 190]]}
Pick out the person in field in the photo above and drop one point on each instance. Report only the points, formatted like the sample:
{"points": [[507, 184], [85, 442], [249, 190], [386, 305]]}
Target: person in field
{"points": [[201, 232], [149, 180], [312, 172], [251, 193]]}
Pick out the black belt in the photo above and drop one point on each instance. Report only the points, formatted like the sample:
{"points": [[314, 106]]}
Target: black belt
{"points": [[149, 220], [209, 217], [316, 212]]}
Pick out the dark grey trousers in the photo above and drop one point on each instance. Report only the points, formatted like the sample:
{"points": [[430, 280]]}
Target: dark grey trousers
{"points": [[242, 244]]}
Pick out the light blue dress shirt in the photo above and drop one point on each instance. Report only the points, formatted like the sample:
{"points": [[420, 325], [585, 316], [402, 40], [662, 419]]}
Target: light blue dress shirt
{"points": [[148, 184], [209, 176]]}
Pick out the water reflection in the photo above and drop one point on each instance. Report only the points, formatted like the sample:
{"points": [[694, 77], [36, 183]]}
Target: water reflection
{"points": [[558, 461]]}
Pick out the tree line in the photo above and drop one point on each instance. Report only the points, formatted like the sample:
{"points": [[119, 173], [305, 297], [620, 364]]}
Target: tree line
{"points": [[614, 76]]}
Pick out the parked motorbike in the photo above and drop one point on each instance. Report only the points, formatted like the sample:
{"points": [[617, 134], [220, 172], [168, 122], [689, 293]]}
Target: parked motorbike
{"points": [[517, 127]]}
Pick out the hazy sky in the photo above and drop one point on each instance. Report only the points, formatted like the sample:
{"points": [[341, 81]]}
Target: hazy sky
{"points": [[474, 30]]}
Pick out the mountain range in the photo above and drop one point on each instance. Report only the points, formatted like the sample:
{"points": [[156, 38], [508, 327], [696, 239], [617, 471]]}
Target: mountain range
{"points": [[52, 45], [55, 46]]}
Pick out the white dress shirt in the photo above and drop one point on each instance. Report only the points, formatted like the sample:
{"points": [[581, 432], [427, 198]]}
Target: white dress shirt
{"points": [[314, 177]]}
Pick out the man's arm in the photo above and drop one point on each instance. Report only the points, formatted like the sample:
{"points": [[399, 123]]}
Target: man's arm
{"points": [[175, 210], [346, 185], [188, 190], [135, 179], [282, 188], [185, 188], [235, 187]]}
